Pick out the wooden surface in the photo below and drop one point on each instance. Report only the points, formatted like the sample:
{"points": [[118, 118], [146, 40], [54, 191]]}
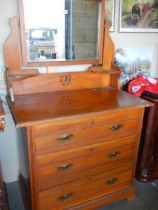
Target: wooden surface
{"points": [[87, 188], [79, 138], [83, 162], [147, 167], [82, 133], [35, 108], [29, 81], [2, 117], [60, 81], [12, 47], [100, 153]]}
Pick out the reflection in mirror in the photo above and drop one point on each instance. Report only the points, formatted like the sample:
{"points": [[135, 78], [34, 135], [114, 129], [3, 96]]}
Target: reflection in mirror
{"points": [[62, 30]]}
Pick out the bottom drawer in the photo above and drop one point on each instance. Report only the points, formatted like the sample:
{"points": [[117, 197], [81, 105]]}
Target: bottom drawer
{"points": [[73, 193]]}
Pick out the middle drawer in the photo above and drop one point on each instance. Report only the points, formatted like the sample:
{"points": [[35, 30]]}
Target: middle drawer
{"points": [[62, 167]]}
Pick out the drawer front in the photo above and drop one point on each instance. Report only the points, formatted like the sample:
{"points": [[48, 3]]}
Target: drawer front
{"points": [[85, 189], [82, 122], [57, 169], [82, 137]]}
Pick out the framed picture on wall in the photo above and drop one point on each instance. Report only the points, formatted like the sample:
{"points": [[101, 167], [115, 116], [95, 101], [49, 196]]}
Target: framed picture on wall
{"points": [[110, 13], [3, 89], [138, 16], [134, 61]]}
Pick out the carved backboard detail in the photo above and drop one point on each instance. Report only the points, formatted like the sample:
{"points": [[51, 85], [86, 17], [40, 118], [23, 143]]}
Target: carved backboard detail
{"points": [[65, 79]]}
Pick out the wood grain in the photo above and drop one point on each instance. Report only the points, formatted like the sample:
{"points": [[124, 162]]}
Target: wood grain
{"points": [[85, 106], [85, 189], [54, 82], [82, 137], [94, 120], [82, 162], [70, 103], [2, 117]]}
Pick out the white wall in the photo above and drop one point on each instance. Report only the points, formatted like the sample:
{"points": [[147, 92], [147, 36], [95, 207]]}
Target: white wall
{"points": [[8, 139], [141, 40], [136, 40], [9, 151], [8, 8]]}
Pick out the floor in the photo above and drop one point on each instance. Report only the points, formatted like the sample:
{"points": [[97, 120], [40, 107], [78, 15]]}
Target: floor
{"points": [[146, 199]]}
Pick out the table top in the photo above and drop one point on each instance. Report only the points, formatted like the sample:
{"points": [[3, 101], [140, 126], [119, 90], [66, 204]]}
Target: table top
{"points": [[36, 108]]}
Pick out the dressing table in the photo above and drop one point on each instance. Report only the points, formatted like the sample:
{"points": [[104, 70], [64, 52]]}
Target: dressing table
{"points": [[82, 132]]}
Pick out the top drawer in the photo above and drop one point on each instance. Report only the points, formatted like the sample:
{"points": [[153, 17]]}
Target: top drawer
{"points": [[85, 131], [84, 121], [84, 137]]}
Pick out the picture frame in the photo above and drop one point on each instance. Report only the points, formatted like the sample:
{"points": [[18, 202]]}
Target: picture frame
{"points": [[132, 64], [3, 89], [138, 16], [110, 13]]}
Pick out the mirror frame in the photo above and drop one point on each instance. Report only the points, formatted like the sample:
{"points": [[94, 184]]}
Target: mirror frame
{"points": [[59, 63]]}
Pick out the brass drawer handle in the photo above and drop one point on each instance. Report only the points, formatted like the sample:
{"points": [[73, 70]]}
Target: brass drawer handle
{"points": [[65, 167], [65, 197], [65, 137], [117, 127], [112, 181], [114, 154]]}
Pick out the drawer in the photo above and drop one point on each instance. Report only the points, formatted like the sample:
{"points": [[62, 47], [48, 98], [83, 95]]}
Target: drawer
{"points": [[81, 122], [59, 198], [82, 137], [67, 166]]}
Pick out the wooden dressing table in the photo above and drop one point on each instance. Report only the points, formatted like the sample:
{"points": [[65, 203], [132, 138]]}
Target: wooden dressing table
{"points": [[82, 133]]}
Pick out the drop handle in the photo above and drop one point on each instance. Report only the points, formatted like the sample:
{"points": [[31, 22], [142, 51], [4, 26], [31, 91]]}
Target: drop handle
{"points": [[65, 197], [112, 181], [65, 137], [65, 167], [113, 154], [116, 127]]}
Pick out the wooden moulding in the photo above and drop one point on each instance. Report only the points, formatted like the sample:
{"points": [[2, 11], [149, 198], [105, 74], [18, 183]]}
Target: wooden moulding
{"points": [[58, 82], [128, 194], [12, 47], [108, 57], [12, 58], [30, 81]]}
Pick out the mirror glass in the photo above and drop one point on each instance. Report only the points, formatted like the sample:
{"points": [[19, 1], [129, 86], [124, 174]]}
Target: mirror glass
{"points": [[63, 30]]}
